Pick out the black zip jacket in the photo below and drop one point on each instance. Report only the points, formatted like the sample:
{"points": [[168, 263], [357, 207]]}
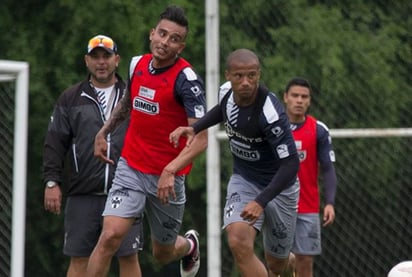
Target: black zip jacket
{"points": [[68, 152]]}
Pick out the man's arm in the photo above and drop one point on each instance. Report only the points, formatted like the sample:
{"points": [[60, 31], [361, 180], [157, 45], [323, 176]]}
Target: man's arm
{"points": [[211, 118], [287, 171], [55, 148], [120, 113], [165, 187], [326, 157]]}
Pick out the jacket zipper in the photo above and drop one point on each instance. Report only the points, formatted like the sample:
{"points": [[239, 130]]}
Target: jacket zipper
{"points": [[103, 117]]}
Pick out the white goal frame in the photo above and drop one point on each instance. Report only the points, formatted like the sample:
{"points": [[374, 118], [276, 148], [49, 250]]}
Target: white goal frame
{"points": [[19, 72]]}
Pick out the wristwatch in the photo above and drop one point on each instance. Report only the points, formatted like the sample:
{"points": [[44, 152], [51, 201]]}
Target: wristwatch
{"points": [[51, 184]]}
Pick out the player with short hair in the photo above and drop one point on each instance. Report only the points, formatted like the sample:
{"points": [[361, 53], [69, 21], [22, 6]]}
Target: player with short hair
{"points": [[314, 146], [262, 193], [164, 93]]}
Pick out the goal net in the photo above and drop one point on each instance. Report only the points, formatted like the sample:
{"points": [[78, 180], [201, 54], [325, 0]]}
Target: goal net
{"points": [[13, 147]]}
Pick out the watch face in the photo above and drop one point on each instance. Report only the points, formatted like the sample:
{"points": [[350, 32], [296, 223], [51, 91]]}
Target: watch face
{"points": [[51, 184]]}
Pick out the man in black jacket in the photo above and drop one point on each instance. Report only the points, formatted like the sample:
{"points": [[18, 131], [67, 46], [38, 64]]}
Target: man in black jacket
{"points": [[78, 115]]}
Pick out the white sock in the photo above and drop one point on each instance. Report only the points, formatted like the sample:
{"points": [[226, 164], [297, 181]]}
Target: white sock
{"points": [[192, 246]]}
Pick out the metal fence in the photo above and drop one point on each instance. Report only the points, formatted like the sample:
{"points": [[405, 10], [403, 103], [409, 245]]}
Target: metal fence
{"points": [[6, 173], [373, 215]]}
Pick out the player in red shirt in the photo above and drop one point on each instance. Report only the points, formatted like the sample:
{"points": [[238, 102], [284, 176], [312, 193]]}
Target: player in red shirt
{"points": [[314, 146], [164, 93]]}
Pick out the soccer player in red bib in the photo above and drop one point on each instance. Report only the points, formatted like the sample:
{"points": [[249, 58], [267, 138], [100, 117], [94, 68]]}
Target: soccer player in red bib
{"points": [[314, 146], [164, 92]]}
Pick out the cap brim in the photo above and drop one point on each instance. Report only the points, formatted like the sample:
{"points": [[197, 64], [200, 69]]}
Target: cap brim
{"points": [[107, 50]]}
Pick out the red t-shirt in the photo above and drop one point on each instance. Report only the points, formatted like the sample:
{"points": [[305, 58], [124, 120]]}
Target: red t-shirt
{"points": [[306, 143], [155, 114]]}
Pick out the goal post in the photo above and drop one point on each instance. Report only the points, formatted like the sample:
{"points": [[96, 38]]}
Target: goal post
{"points": [[18, 72]]}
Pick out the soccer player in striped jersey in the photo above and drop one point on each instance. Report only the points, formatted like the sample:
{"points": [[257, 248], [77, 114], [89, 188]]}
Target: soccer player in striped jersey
{"points": [[263, 191]]}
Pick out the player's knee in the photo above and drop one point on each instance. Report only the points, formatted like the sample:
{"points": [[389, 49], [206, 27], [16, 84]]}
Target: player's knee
{"points": [[110, 240], [239, 247], [304, 261]]}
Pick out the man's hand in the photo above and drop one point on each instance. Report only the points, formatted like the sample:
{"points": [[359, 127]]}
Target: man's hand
{"points": [[166, 186], [53, 199], [251, 212], [182, 131], [101, 148], [328, 215]]}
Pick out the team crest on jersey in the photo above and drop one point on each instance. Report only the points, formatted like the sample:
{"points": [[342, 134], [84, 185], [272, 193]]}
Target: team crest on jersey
{"points": [[302, 155], [145, 106]]}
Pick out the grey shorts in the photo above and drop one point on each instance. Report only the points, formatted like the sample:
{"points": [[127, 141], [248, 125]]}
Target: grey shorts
{"points": [[278, 221], [83, 223], [134, 193], [307, 235]]}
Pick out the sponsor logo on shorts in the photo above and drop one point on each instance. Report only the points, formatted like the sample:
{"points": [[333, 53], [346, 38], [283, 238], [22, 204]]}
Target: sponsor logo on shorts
{"points": [[166, 238], [279, 231], [137, 243], [170, 224], [116, 201], [230, 205], [229, 210], [234, 198], [278, 248]]}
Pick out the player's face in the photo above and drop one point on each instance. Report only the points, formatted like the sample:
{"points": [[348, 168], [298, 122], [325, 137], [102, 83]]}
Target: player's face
{"points": [[244, 78], [297, 100], [167, 41], [102, 66]]}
